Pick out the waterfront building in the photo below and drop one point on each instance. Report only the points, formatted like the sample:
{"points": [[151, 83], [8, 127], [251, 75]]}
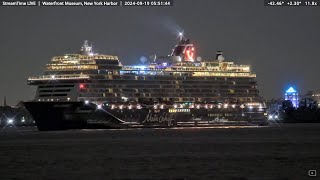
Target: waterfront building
{"points": [[292, 95]]}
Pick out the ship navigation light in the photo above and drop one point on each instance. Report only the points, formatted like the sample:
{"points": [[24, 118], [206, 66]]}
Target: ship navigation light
{"points": [[86, 101], [180, 35], [10, 121], [99, 107]]}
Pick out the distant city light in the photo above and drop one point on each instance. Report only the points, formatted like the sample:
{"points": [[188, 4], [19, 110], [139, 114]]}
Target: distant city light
{"points": [[99, 106]]}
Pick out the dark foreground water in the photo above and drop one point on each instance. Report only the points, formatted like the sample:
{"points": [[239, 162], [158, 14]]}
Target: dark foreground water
{"points": [[285, 152]]}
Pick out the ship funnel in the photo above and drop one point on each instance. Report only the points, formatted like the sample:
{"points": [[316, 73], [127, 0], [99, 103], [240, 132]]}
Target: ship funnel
{"points": [[219, 56]]}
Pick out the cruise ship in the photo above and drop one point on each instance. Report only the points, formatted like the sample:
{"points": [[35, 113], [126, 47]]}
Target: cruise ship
{"points": [[92, 90]]}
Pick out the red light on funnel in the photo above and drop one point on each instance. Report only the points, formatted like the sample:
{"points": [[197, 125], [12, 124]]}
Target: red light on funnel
{"points": [[81, 86]]}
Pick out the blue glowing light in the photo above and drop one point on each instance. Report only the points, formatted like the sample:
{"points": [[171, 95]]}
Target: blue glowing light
{"points": [[291, 90], [140, 67], [292, 95]]}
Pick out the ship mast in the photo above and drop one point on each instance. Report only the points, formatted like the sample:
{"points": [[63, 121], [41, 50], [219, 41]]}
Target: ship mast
{"points": [[181, 36], [86, 49]]}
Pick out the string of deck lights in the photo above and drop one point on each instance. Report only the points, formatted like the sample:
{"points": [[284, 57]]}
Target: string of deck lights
{"points": [[177, 106]]}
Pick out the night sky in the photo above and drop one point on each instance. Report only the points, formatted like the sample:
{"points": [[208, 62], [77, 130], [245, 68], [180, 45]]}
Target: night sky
{"points": [[280, 43]]}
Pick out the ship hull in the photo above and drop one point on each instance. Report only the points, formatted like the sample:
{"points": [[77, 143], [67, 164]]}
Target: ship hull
{"points": [[70, 115], [79, 115]]}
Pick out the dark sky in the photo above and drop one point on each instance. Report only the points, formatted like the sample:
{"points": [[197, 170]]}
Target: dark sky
{"points": [[280, 43]]}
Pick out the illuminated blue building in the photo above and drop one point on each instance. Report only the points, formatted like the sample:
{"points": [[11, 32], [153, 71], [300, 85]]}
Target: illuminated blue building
{"points": [[292, 95]]}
